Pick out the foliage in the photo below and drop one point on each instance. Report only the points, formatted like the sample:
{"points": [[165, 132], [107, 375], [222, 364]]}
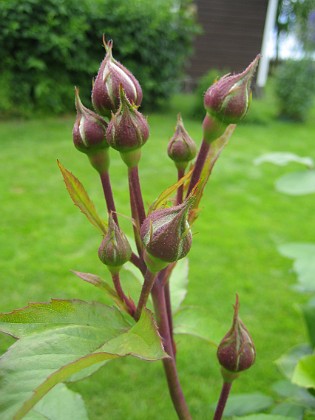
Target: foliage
{"points": [[295, 88], [48, 47]]}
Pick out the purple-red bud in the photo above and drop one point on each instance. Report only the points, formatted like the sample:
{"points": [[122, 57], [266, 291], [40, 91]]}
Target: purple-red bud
{"points": [[115, 249], [89, 131], [228, 99], [236, 352], [166, 235], [128, 129], [181, 147], [112, 75]]}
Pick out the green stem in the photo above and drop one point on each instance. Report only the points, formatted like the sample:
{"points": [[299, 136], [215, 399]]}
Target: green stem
{"points": [[225, 391], [149, 279], [169, 363]]}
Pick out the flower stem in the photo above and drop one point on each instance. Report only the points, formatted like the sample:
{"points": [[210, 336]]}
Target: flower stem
{"points": [[169, 363], [225, 391], [108, 194], [180, 189], [201, 158], [149, 279], [135, 192], [128, 302]]}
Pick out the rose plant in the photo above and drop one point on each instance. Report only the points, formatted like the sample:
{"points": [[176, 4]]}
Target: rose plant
{"points": [[70, 339]]}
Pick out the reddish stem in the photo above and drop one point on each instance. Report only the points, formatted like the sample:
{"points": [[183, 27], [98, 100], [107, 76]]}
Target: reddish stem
{"points": [[128, 302], [225, 391], [149, 279], [169, 363], [108, 194], [135, 191], [201, 158]]}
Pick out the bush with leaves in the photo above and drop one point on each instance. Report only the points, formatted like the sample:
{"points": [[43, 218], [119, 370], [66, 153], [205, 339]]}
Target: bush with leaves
{"points": [[295, 88], [48, 47]]}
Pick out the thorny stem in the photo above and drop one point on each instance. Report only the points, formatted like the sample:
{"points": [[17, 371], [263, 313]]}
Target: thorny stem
{"points": [[108, 194], [169, 363], [180, 189], [225, 391], [149, 279], [201, 158], [129, 303]]}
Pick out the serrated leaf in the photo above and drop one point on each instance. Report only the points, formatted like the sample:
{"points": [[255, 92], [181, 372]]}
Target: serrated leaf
{"points": [[304, 373], [61, 338], [81, 199], [59, 404], [283, 158], [243, 404], [304, 263], [178, 283], [297, 183], [214, 152], [287, 362], [196, 322], [103, 285]]}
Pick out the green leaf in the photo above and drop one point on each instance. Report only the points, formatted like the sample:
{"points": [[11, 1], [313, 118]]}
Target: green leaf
{"points": [[59, 404], [179, 283], [291, 410], [309, 317], [61, 338], [196, 322], [297, 183], [304, 264], [243, 404], [81, 199], [304, 373], [294, 394], [283, 158], [287, 362]]}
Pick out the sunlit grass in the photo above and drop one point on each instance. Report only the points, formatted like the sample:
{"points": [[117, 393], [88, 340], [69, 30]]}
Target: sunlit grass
{"points": [[242, 221]]}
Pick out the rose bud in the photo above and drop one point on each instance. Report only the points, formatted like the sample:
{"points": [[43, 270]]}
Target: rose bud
{"points": [[166, 235], [181, 147], [112, 74], [228, 99], [114, 250], [89, 131], [236, 352], [128, 129]]}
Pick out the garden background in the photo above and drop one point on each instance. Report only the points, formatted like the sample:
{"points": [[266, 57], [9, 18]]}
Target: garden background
{"points": [[242, 222]]}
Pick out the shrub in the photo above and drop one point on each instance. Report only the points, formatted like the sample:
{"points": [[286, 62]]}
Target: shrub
{"points": [[295, 88], [48, 47]]}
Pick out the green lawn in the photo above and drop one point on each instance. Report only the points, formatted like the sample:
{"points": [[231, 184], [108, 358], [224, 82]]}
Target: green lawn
{"points": [[242, 221]]}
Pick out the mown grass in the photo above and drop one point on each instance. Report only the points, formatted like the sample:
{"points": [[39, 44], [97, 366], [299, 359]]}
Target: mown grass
{"points": [[241, 223]]}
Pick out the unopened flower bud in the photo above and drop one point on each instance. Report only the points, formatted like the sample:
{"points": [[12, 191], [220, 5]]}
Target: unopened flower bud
{"points": [[166, 235], [89, 131], [115, 249], [128, 129], [112, 75], [228, 99], [181, 147], [236, 352]]}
